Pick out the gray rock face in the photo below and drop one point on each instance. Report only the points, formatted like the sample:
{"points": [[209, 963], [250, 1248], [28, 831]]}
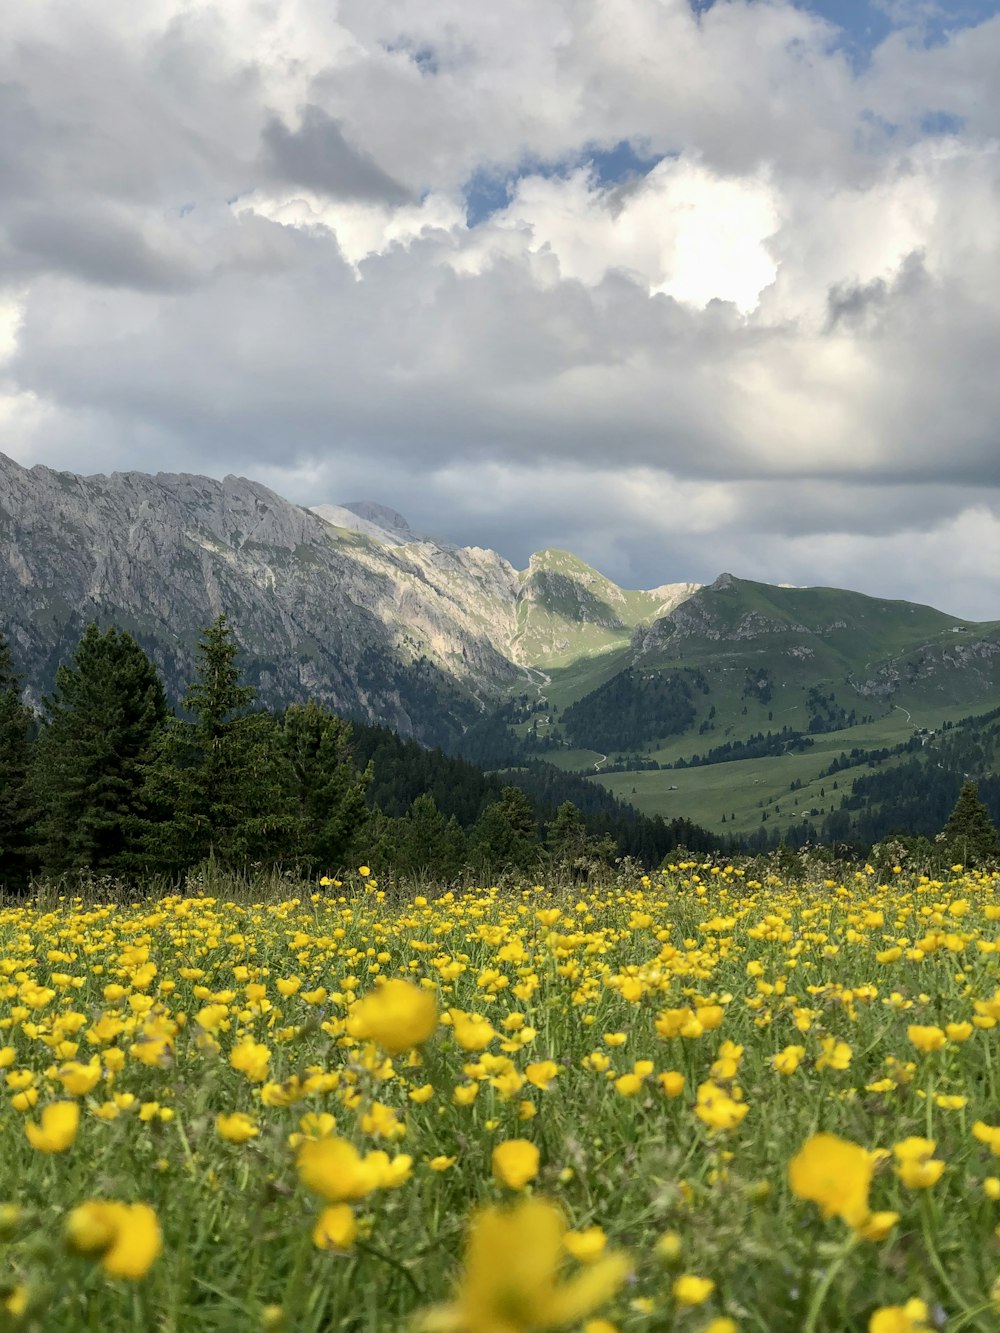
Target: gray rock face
{"points": [[345, 603], [410, 635]]}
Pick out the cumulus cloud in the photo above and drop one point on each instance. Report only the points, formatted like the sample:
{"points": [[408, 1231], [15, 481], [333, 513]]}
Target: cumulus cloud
{"points": [[238, 237]]}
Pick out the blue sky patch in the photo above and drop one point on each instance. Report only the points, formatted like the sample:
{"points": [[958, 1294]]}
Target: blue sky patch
{"points": [[488, 191], [864, 24], [941, 122]]}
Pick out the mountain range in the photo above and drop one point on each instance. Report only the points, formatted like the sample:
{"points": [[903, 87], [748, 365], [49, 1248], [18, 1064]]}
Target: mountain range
{"points": [[454, 646]]}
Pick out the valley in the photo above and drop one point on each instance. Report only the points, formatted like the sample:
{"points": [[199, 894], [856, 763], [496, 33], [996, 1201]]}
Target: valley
{"points": [[724, 703]]}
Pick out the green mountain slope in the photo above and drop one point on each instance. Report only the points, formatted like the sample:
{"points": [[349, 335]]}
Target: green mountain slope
{"points": [[741, 687], [779, 682], [567, 611]]}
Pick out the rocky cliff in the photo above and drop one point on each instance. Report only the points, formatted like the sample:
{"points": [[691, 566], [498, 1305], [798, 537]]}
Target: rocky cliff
{"points": [[406, 634], [344, 603]]}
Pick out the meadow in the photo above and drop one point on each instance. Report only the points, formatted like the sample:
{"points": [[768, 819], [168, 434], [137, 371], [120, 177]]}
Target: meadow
{"points": [[692, 1100]]}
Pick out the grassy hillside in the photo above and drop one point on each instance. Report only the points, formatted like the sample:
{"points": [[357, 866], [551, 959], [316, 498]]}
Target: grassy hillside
{"points": [[567, 611], [787, 680]]}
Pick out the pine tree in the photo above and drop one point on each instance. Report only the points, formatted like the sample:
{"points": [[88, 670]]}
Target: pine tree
{"points": [[325, 789], [456, 850], [567, 835], [505, 836], [16, 804], [97, 730], [213, 781], [970, 830], [423, 846]]}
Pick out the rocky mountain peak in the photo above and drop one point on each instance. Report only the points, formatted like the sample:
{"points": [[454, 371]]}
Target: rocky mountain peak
{"points": [[381, 515]]}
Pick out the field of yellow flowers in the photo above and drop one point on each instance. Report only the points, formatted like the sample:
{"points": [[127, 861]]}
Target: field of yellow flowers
{"points": [[695, 1101]]}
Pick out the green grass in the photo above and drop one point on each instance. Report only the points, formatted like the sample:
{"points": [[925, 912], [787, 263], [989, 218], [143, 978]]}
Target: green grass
{"points": [[630, 1064], [749, 787]]}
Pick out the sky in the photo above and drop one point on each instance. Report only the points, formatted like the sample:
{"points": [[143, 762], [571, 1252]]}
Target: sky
{"points": [[683, 287]]}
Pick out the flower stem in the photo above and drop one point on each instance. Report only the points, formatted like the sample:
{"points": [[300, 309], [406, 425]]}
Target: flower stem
{"points": [[819, 1295]]}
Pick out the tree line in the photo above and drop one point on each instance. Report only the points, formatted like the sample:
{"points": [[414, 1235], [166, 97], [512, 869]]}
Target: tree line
{"points": [[109, 779]]}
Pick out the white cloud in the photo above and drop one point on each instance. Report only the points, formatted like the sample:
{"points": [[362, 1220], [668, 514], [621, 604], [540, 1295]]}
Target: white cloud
{"points": [[233, 237]]}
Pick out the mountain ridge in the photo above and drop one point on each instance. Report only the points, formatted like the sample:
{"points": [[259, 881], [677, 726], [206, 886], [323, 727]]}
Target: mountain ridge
{"points": [[456, 647]]}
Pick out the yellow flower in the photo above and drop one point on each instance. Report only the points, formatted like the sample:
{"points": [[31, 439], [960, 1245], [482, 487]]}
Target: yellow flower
{"points": [[909, 1318], [236, 1128], [364, 871], [335, 1228], [628, 1085], [56, 1133], [836, 1054], [669, 1247], [877, 1226], [212, 1016], [126, 1236], [511, 1278], [471, 1031], [541, 1073], [691, 1290], [15, 1300], [333, 1168], [717, 1109], [835, 1174], [988, 1134], [397, 1015], [917, 1167], [671, 1082], [421, 1095], [79, 1079], [251, 1059], [587, 1246], [442, 1163], [515, 1162], [787, 1061], [388, 1173], [926, 1039]]}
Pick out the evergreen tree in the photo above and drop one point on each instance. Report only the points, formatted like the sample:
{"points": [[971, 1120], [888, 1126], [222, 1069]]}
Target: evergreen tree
{"points": [[423, 847], [456, 850], [505, 836], [214, 779], [567, 835], [98, 726], [970, 829], [573, 849], [325, 789], [16, 805]]}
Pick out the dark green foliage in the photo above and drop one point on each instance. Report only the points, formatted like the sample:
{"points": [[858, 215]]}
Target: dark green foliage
{"points": [[325, 791], [632, 708], [970, 830], [572, 848], [421, 844], [826, 714], [17, 811], [98, 727], [306, 790], [402, 770], [505, 837], [213, 785], [757, 684], [916, 796], [785, 741]]}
